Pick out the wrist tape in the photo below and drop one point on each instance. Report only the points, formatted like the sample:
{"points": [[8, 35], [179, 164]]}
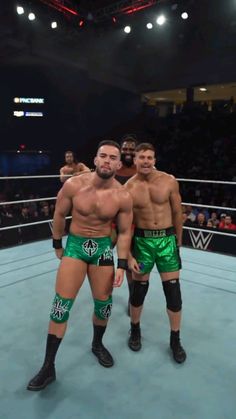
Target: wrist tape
{"points": [[122, 264], [57, 243]]}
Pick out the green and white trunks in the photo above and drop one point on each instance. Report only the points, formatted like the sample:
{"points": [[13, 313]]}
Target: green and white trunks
{"points": [[95, 251], [156, 247]]}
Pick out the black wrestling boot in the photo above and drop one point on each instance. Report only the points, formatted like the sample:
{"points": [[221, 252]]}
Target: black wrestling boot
{"points": [[178, 351], [45, 376], [103, 355], [128, 308], [134, 341], [47, 373]]}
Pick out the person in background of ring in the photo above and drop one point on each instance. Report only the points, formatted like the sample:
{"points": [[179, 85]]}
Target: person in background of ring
{"points": [[88, 252], [128, 168], [157, 237], [71, 166]]}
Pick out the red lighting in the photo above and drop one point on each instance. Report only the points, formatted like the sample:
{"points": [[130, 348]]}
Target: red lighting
{"points": [[114, 19], [81, 22], [135, 9], [137, 6], [60, 6], [73, 12], [22, 146]]}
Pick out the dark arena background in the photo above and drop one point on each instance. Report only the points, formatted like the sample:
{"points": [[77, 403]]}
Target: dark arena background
{"points": [[74, 73]]}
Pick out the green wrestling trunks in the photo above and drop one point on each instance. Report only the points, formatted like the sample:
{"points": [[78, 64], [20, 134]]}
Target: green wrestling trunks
{"points": [[156, 247], [94, 251]]}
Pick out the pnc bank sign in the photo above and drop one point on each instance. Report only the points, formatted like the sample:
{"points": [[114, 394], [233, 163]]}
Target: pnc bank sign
{"points": [[27, 100]]}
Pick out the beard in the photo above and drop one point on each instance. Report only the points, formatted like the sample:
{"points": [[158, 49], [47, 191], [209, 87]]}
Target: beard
{"points": [[127, 159], [104, 175]]}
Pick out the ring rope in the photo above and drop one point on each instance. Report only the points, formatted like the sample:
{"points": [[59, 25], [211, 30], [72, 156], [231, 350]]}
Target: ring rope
{"points": [[30, 224], [210, 231], [54, 198], [209, 206], [69, 217], [224, 182], [32, 177], [28, 200]]}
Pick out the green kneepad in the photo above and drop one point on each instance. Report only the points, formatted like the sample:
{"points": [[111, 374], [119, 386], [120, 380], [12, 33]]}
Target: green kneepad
{"points": [[61, 309], [102, 309]]}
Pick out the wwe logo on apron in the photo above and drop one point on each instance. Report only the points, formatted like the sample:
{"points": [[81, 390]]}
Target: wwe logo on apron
{"points": [[200, 240], [90, 247]]}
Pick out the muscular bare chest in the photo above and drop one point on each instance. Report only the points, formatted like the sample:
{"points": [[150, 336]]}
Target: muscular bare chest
{"points": [[102, 205], [146, 194]]}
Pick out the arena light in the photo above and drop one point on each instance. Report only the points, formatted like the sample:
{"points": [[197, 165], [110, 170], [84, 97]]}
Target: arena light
{"points": [[184, 15], [34, 114], [39, 100], [161, 20], [18, 114], [54, 25], [127, 29], [149, 25], [20, 10], [31, 16]]}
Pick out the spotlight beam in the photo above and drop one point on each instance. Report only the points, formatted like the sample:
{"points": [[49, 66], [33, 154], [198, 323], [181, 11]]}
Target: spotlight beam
{"points": [[60, 6]]}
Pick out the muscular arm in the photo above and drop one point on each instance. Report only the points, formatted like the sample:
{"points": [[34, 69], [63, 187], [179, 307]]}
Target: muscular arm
{"points": [[62, 209], [62, 175], [175, 202], [81, 167], [124, 222]]}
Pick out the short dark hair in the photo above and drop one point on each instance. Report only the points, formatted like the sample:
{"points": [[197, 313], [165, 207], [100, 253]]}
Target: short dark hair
{"points": [[145, 147], [131, 138], [109, 142]]}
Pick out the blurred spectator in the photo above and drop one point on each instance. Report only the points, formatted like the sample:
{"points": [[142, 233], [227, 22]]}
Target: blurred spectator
{"points": [[214, 219], [200, 220], [186, 221], [51, 209], [228, 225], [210, 223], [32, 205], [25, 233], [190, 214], [44, 229], [222, 221], [45, 212], [7, 218], [204, 211]]}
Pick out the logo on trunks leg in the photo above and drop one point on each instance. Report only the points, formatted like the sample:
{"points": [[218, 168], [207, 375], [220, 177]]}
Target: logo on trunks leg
{"points": [[90, 247], [106, 258]]}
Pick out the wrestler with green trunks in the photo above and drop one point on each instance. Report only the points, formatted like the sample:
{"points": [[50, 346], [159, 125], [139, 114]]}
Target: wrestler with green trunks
{"points": [[157, 237], [95, 199]]}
